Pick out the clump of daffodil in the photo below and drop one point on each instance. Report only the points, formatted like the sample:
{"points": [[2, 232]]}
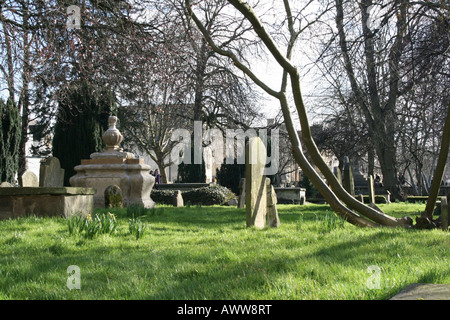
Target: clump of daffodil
{"points": [[93, 225]]}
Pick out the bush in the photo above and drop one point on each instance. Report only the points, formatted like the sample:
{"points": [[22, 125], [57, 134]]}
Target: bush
{"points": [[207, 196], [163, 196]]}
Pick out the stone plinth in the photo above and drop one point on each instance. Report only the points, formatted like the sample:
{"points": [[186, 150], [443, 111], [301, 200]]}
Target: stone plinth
{"points": [[115, 167], [49, 202], [132, 178]]}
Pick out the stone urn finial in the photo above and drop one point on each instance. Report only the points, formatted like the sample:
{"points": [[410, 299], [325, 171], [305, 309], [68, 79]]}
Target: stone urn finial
{"points": [[112, 137]]}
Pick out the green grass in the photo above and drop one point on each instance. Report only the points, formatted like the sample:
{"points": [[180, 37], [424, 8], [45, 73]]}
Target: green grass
{"points": [[208, 253]]}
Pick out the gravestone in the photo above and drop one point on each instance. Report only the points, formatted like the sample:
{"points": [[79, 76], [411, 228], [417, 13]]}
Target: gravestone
{"points": [[50, 173], [338, 174], [255, 183], [241, 201], [444, 213], [371, 190], [29, 179], [178, 199], [113, 197], [349, 182], [273, 219], [6, 185]]}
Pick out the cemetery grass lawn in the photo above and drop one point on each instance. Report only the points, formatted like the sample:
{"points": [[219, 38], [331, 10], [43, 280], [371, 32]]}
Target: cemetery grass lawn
{"points": [[208, 253]]}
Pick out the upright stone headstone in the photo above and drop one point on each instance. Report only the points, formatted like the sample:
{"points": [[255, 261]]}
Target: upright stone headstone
{"points": [[349, 182], [255, 183], [371, 189], [273, 220], [241, 201], [338, 174], [178, 199], [29, 179], [113, 197], [50, 173], [444, 213]]}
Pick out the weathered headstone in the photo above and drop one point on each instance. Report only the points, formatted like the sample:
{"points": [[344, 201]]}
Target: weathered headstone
{"points": [[51, 174], [349, 182], [255, 183], [113, 197], [29, 179], [371, 189], [273, 219], [178, 199], [241, 201], [338, 174], [444, 213], [6, 184]]}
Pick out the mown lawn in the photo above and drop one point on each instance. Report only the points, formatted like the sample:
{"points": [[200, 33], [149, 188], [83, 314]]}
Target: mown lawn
{"points": [[208, 253]]}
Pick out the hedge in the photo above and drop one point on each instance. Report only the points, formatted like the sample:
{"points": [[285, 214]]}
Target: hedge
{"points": [[206, 196]]}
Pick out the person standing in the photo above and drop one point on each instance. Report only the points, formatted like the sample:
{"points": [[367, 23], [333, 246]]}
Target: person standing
{"points": [[157, 177]]}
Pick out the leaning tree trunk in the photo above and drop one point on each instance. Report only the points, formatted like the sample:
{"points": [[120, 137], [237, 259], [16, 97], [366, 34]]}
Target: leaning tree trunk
{"points": [[440, 169], [336, 196]]}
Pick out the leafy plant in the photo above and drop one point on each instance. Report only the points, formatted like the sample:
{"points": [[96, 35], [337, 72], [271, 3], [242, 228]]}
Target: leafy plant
{"points": [[92, 226], [137, 228]]}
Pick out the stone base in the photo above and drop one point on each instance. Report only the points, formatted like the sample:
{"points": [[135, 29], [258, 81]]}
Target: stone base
{"points": [[130, 175], [424, 291], [46, 202]]}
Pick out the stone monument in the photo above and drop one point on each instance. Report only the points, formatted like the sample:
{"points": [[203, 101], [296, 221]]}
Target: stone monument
{"points": [[113, 166], [255, 184], [273, 220]]}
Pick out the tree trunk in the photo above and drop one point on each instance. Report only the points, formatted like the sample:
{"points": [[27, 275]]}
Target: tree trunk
{"points": [[440, 168], [335, 196]]}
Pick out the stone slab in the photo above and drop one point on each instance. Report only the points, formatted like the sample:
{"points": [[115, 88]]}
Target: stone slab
{"points": [[11, 191], [48, 202], [424, 291]]}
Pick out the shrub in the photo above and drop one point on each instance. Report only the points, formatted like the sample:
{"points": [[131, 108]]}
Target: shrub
{"points": [[163, 196], [207, 196]]}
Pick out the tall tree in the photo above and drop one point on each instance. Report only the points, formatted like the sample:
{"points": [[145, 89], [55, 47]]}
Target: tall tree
{"points": [[10, 132], [82, 119], [336, 196]]}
